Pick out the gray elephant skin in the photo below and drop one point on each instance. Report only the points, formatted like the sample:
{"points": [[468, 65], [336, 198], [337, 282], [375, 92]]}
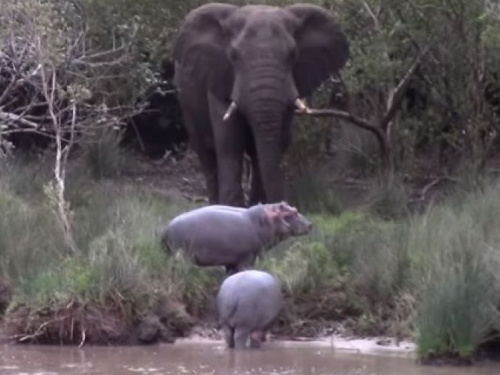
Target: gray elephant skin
{"points": [[219, 235], [241, 73], [248, 303]]}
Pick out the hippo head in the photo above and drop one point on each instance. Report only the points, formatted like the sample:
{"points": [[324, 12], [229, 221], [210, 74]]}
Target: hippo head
{"points": [[287, 221]]}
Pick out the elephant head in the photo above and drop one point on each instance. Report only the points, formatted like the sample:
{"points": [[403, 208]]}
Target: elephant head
{"points": [[259, 61]]}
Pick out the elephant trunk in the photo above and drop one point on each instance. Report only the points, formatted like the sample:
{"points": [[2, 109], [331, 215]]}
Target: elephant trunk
{"points": [[267, 121], [270, 97]]}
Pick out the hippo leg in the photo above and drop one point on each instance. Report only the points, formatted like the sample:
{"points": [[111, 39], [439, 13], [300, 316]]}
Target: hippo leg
{"points": [[240, 337], [263, 335], [244, 264], [231, 269], [255, 339], [229, 336], [265, 329]]}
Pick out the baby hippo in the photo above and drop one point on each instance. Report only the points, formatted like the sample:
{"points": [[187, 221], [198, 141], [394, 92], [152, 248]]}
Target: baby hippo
{"points": [[229, 236], [248, 303]]}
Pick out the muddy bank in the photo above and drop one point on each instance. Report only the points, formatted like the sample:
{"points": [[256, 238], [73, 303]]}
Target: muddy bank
{"points": [[372, 345], [113, 323]]}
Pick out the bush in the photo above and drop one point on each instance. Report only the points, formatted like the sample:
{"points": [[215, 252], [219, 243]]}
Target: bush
{"points": [[454, 251]]}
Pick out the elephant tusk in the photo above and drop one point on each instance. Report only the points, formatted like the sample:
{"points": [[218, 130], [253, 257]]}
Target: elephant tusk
{"points": [[230, 111], [301, 106]]}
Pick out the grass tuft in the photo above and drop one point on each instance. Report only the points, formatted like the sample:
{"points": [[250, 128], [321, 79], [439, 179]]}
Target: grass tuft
{"points": [[311, 191], [456, 254]]}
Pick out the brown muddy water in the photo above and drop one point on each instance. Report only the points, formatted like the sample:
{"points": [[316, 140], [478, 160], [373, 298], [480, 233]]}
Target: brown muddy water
{"points": [[204, 358]]}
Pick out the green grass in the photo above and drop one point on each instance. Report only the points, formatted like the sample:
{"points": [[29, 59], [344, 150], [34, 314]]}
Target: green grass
{"points": [[455, 253], [310, 192], [115, 228]]}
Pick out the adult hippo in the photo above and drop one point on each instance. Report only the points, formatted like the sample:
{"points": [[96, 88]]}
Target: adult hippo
{"points": [[229, 236], [248, 303]]}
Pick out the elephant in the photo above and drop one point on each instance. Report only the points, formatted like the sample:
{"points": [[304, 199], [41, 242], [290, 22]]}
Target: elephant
{"points": [[218, 235], [248, 303], [241, 73]]}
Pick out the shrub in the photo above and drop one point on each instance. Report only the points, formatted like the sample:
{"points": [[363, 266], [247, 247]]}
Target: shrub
{"points": [[454, 251]]}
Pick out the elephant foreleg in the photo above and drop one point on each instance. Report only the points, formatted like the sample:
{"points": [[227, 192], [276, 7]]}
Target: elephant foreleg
{"points": [[230, 170], [208, 163], [201, 140], [229, 147]]}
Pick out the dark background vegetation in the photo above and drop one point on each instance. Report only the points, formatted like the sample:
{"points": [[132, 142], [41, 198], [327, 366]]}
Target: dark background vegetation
{"points": [[399, 177]]}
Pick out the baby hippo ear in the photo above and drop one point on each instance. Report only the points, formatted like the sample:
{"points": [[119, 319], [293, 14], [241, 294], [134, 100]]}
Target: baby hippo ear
{"points": [[271, 212], [286, 208], [276, 216]]}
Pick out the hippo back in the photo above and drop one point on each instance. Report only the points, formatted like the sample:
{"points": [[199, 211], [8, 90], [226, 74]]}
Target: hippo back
{"points": [[213, 235], [250, 298]]}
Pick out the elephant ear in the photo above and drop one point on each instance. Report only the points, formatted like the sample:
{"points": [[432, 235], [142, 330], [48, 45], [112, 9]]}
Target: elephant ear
{"points": [[200, 47], [322, 47]]}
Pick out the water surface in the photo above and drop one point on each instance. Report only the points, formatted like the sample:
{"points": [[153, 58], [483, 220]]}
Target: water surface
{"points": [[213, 358]]}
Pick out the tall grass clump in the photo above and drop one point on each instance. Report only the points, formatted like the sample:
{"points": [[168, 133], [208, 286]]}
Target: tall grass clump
{"points": [[375, 263], [30, 236], [101, 156], [455, 252], [388, 197], [311, 191], [116, 232]]}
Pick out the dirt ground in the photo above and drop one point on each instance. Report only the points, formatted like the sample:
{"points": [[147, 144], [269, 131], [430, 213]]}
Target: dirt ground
{"points": [[176, 178]]}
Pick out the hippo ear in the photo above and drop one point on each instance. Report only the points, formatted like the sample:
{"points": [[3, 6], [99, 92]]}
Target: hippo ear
{"points": [[285, 209], [272, 212], [273, 215]]}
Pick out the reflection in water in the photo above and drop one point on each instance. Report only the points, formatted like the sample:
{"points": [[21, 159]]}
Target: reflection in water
{"points": [[214, 358]]}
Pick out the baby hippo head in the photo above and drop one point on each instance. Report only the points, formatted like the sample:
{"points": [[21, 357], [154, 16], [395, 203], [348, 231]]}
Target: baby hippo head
{"points": [[287, 221]]}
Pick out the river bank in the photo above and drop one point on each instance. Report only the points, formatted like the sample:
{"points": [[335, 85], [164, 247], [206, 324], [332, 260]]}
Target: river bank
{"points": [[360, 345], [356, 275]]}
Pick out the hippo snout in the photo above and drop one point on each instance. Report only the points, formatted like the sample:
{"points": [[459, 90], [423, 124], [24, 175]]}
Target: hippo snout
{"points": [[301, 225], [306, 224]]}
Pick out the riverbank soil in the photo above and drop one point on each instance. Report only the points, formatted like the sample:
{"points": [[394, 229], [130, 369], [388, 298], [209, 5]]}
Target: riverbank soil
{"points": [[111, 323]]}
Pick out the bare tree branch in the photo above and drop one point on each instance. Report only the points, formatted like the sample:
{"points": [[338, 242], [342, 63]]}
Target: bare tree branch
{"points": [[396, 95], [357, 121], [5, 116]]}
